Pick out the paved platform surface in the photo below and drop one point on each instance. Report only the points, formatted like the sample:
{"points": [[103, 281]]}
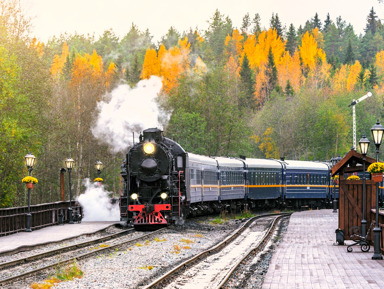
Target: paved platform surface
{"points": [[307, 257], [50, 234]]}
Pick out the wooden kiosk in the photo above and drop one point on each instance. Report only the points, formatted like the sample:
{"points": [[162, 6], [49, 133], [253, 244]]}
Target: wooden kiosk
{"points": [[351, 193]]}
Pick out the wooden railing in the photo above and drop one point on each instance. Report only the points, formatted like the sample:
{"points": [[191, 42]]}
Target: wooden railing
{"points": [[13, 220]]}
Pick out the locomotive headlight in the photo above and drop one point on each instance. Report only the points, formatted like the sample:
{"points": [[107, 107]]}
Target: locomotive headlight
{"points": [[134, 196], [163, 196], [149, 148]]}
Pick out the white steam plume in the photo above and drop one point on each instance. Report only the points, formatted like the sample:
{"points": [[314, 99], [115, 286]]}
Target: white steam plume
{"points": [[97, 205], [127, 111]]}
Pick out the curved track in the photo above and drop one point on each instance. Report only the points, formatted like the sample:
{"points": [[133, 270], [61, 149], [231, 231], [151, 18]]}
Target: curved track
{"points": [[13, 271], [214, 267]]}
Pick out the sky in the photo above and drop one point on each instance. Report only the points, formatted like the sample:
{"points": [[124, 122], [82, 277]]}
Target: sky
{"points": [[54, 17]]}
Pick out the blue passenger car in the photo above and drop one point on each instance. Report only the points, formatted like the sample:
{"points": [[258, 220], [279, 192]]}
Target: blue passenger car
{"points": [[231, 178], [265, 180], [307, 183], [203, 182]]}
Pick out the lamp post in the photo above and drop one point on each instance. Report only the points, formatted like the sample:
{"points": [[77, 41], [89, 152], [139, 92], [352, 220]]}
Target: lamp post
{"points": [[364, 145], [69, 163], [377, 134], [99, 166], [29, 162], [333, 160]]}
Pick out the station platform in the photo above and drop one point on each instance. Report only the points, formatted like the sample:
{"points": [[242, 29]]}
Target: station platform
{"points": [[50, 234], [307, 257]]}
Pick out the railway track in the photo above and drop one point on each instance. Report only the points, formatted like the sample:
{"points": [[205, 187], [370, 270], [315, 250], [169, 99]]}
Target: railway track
{"points": [[214, 268], [15, 270]]}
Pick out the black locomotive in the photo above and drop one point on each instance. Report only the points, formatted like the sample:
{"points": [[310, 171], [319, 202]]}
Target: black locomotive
{"points": [[163, 184]]}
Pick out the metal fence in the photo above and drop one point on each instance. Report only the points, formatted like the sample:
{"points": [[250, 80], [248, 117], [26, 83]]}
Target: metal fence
{"points": [[13, 220]]}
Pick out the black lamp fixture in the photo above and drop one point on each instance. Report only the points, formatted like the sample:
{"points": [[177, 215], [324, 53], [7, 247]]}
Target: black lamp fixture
{"points": [[334, 161], [30, 161], [377, 134], [364, 145], [69, 164]]}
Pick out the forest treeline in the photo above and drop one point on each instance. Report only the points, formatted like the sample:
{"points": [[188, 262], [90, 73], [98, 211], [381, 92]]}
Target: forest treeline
{"points": [[268, 92]]}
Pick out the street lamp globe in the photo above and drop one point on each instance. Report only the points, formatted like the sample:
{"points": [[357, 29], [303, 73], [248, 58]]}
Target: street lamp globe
{"points": [[364, 145], [377, 133], [30, 160], [99, 165], [69, 163]]}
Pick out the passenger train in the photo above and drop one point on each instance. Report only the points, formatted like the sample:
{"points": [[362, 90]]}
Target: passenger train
{"points": [[164, 184]]}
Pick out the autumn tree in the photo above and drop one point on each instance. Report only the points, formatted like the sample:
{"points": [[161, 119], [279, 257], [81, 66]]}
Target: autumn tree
{"points": [[256, 30], [247, 79], [219, 28], [276, 24], [291, 44], [131, 53]]}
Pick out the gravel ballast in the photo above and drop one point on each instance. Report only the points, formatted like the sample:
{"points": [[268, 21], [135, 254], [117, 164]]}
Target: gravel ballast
{"points": [[137, 265]]}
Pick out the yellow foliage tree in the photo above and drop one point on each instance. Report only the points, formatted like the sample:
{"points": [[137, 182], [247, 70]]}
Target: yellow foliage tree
{"points": [[234, 46], [110, 74], [310, 53], [232, 67], [257, 52], [151, 65], [353, 76], [200, 67], [340, 78], [38, 46], [290, 69], [379, 61], [59, 61], [314, 61], [268, 145]]}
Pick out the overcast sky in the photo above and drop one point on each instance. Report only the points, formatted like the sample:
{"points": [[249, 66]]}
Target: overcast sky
{"points": [[53, 17]]}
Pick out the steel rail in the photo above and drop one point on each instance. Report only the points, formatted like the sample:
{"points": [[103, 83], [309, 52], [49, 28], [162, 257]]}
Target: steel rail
{"points": [[267, 236], [204, 254], [78, 257], [62, 250]]}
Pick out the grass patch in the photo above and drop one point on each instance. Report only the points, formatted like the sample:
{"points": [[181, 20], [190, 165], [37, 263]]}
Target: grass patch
{"points": [[245, 215], [62, 274]]}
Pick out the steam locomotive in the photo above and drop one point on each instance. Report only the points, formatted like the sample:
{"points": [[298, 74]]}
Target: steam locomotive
{"points": [[164, 184]]}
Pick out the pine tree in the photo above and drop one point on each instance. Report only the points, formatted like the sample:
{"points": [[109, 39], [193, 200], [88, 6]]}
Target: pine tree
{"points": [[256, 28], [361, 78], [276, 24], [300, 31], [248, 84], [271, 73], [291, 44], [316, 22], [171, 38], [289, 92], [372, 81], [327, 23], [349, 55], [371, 22], [246, 23]]}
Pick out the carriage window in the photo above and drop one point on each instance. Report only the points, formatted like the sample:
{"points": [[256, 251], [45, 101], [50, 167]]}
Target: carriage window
{"points": [[198, 176], [179, 162]]}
